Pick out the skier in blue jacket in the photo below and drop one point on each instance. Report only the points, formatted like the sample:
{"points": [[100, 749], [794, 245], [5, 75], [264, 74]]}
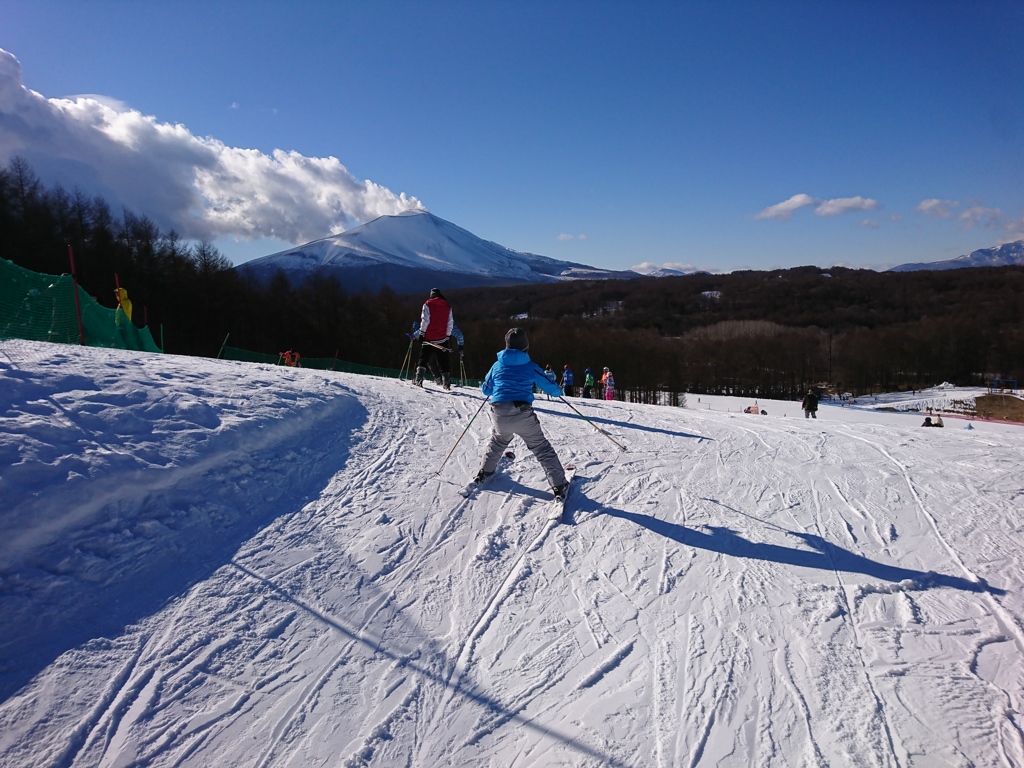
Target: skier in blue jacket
{"points": [[509, 385], [567, 380]]}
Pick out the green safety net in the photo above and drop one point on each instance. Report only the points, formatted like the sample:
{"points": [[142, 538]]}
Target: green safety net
{"points": [[331, 364], [42, 308]]}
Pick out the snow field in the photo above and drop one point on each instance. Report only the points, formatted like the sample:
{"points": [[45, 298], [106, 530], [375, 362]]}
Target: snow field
{"points": [[216, 563]]}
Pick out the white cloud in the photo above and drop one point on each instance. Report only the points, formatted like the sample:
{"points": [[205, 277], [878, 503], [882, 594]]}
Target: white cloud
{"points": [[564, 238], [840, 205], [979, 215], [934, 208], [974, 216], [645, 267], [1014, 231], [197, 185], [649, 267], [784, 211], [869, 223]]}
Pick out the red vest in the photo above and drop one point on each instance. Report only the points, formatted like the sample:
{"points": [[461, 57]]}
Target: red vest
{"points": [[436, 319]]}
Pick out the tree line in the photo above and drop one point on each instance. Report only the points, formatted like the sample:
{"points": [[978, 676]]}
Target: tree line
{"points": [[768, 334]]}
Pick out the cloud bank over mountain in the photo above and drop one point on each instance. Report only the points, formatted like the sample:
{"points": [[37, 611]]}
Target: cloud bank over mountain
{"points": [[196, 185]]}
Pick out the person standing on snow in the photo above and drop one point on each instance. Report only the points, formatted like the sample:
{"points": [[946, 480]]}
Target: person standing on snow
{"points": [[509, 385], [552, 376], [433, 365], [810, 405], [436, 324], [588, 383], [608, 384], [567, 380]]}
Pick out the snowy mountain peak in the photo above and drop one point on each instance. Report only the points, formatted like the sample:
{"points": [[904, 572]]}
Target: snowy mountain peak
{"points": [[412, 251], [1008, 254]]}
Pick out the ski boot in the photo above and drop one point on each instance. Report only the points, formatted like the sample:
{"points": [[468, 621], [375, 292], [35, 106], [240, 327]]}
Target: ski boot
{"points": [[420, 373], [446, 381]]}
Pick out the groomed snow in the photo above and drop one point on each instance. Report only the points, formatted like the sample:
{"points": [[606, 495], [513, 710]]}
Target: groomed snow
{"points": [[214, 563]]}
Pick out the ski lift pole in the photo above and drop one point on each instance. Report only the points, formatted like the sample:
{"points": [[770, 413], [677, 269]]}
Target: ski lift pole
{"points": [[462, 435], [619, 445]]}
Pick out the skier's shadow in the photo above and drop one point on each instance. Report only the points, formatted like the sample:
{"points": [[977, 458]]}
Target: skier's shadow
{"points": [[622, 424], [823, 555]]}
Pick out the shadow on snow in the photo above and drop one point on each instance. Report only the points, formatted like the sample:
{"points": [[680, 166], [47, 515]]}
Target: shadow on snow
{"points": [[823, 555]]}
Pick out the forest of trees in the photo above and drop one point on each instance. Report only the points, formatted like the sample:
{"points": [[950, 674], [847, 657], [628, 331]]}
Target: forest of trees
{"points": [[747, 333]]}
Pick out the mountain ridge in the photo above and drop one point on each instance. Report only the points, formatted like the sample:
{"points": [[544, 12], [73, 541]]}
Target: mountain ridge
{"points": [[1005, 255]]}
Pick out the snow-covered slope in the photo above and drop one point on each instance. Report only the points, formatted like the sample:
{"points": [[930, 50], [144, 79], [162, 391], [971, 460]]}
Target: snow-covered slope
{"points": [[1005, 255], [212, 563], [414, 251]]}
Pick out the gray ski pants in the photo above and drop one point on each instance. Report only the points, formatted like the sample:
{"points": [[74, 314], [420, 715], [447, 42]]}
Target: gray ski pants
{"points": [[511, 420]]}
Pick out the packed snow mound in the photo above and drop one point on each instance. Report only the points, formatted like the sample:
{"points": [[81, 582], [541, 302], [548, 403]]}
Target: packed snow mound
{"points": [[206, 562]]}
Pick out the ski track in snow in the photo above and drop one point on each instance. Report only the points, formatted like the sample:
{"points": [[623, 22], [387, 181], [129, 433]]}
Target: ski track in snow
{"points": [[734, 590]]}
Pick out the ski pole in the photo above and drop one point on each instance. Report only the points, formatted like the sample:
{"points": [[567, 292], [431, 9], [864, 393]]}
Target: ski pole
{"points": [[462, 435], [620, 446], [406, 361]]}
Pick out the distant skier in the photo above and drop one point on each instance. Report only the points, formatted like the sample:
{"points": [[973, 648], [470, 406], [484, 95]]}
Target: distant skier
{"points": [[810, 405], [567, 380], [551, 375], [608, 384], [509, 384], [588, 383], [436, 324]]}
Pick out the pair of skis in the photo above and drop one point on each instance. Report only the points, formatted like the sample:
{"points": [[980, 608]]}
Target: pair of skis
{"points": [[557, 503]]}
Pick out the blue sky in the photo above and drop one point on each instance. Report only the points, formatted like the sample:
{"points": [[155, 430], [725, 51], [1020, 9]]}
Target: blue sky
{"points": [[716, 135]]}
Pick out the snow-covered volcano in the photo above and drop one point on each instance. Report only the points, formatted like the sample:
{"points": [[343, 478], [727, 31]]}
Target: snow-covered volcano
{"points": [[412, 252]]}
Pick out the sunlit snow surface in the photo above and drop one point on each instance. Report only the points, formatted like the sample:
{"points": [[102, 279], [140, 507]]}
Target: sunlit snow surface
{"points": [[213, 563]]}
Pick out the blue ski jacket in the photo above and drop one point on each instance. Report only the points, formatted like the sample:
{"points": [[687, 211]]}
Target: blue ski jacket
{"points": [[513, 377]]}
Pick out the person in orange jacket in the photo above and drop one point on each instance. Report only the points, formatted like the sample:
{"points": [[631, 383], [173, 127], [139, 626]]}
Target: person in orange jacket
{"points": [[608, 384]]}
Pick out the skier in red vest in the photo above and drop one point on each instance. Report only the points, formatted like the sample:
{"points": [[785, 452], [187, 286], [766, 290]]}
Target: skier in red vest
{"points": [[436, 324]]}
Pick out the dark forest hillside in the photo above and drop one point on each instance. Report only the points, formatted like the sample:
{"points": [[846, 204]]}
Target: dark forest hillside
{"points": [[768, 333]]}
